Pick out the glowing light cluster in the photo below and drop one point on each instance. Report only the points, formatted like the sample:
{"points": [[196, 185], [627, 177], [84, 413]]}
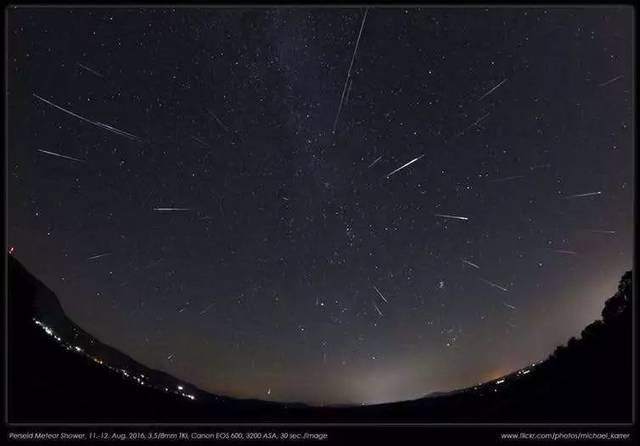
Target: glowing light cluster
{"points": [[138, 379], [48, 330], [180, 392]]}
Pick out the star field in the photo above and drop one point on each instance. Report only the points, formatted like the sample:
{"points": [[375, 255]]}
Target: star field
{"points": [[175, 177]]}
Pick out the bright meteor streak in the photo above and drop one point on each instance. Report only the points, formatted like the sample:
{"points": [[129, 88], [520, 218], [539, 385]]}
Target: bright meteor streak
{"points": [[99, 256], [61, 156], [588, 194], [405, 165], [96, 123], [455, 217]]}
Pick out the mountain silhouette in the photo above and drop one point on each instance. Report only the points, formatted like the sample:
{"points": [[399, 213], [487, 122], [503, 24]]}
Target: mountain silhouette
{"points": [[60, 373]]}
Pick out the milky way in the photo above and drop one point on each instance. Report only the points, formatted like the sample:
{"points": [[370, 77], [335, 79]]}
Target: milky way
{"points": [[254, 222]]}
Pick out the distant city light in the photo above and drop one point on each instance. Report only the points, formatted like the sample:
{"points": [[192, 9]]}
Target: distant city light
{"points": [[124, 372]]}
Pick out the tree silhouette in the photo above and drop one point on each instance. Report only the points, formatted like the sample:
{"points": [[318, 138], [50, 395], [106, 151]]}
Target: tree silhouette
{"points": [[617, 304]]}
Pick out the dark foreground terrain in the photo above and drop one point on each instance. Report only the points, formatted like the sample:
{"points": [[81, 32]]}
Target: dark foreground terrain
{"points": [[60, 373]]}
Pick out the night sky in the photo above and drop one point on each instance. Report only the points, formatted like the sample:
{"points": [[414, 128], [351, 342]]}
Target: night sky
{"points": [[175, 177]]}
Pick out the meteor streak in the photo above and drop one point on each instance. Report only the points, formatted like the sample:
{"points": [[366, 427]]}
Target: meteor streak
{"points": [[377, 309], [375, 161], [455, 217], [470, 264], [90, 70], [405, 165], [492, 90], [482, 118], [588, 194], [353, 58], [564, 251], [495, 285], [171, 209], [610, 81], [220, 123], [96, 123], [379, 293], [99, 256], [500, 180], [599, 231], [61, 156]]}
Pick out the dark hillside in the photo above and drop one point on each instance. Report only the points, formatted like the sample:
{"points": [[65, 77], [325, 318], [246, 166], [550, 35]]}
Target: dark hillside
{"points": [[60, 373]]}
